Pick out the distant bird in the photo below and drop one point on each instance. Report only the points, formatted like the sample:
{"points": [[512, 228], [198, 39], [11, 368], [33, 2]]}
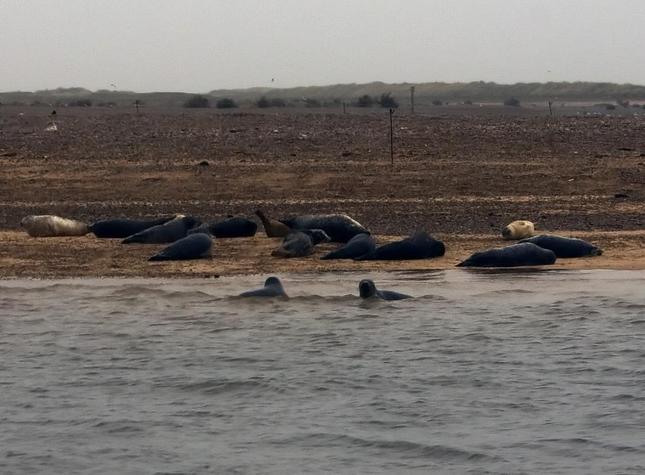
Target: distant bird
{"points": [[272, 79]]}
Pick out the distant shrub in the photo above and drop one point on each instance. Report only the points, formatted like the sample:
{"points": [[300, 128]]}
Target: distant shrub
{"points": [[437, 102], [388, 101], [365, 101], [622, 102], [610, 107], [643, 106], [80, 103], [226, 103], [197, 101], [512, 102], [262, 102], [312, 103], [468, 102], [106, 104]]}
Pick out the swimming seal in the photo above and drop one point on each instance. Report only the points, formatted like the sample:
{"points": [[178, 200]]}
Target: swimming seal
{"points": [[273, 227], [122, 228], [339, 227], [564, 246], [233, 227], [518, 230], [522, 254], [47, 225], [301, 243], [193, 246], [418, 246], [367, 289], [357, 246], [272, 288], [171, 231]]}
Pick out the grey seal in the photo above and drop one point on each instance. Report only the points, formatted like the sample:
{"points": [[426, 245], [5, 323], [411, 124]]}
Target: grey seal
{"points": [[193, 246], [523, 254], [171, 231], [301, 243], [564, 246], [122, 227], [418, 246], [357, 246], [367, 289], [272, 288], [339, 227]]}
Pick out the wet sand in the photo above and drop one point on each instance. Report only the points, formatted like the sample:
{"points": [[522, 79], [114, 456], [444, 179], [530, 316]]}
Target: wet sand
{"points": [[461, 177], [87, 256]]}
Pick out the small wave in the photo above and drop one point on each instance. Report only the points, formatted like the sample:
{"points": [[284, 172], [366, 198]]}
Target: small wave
{"points": [[399, 447], [218, 386]]}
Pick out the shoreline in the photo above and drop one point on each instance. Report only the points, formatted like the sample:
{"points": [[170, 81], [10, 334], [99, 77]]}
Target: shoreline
{"points": [[22, 256]]}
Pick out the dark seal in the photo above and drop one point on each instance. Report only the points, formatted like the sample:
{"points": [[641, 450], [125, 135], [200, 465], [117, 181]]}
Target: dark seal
{"points": [[564, 246], [523, 254], [418, 246], [357, 246], [339, 227], [301, 243], [193, 246], [122, 228], [367, 289], [164, 233], [272, 288], [273, 227]]}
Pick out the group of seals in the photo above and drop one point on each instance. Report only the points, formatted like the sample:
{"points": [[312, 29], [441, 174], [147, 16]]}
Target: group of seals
{"points": [[366, 289]]}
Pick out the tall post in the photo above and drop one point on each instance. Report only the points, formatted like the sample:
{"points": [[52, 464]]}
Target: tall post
{"points": [[412, 99], [391, 138], [344, 111]]}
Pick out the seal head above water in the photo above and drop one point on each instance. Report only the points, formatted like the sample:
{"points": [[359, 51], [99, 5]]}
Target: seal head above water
{"points": [[367, 289], [272, 288]]}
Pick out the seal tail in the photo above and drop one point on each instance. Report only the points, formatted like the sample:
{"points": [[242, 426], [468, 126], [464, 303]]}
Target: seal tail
{"points": [[158, 257]]}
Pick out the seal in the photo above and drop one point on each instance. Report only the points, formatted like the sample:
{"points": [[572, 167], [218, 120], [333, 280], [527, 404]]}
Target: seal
{"points": [[193, 246], [418, 246], [272, 288], [233, 227], [47, 225], [357, 246], [301, 243], [171, 231], [564, 246], [522, 254], [273, 227], [367, 289], [339, 227], [122, 228], [518, 230]]}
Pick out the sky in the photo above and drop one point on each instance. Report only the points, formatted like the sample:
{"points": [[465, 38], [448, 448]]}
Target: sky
{"points": [[201, 45]]}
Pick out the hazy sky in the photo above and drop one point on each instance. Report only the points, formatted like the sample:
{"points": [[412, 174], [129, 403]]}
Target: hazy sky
{"points": [[200, 45]]}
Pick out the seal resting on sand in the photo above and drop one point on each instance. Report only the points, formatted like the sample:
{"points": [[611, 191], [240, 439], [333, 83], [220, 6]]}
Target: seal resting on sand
{"points": [[522, 254], [171, 231], [367, 289], [122, 228], [339, 227], [193, 246], [357, 246], [273, 227], [47, 225], [418, 246], [301, 243], [564, 246], [232, 227], [272, 288], [518, 230]]}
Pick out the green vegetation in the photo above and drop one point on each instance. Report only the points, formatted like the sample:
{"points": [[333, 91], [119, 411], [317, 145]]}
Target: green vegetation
{"points": [[388, 101], [365, 101], [197, 101], [226, 103]]}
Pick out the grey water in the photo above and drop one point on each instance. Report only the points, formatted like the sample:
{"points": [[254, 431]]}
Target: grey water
{"points": [[483, 372]]}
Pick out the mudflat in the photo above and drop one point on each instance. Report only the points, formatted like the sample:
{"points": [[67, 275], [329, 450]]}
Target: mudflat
{"points": [[460, 176]]}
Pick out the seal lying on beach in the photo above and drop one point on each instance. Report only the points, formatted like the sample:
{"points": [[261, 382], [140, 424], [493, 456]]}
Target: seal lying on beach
{"points": [[518, 230], [171, 231], [357, 246], [47, 225], [233, 227], [522, 254], [418, 246], [564, 246], [339, 227], [367, 289], [122, 228], [272, 288], [301, 243], [273, 227], [193, 246]]}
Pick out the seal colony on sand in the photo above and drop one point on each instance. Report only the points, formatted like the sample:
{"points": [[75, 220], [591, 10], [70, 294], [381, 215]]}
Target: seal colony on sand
{"points": [[367, 289], [193, 246], [523, 254], [339, 227], [564, 246], [518, 230], [272, 288], [48, 225]]}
